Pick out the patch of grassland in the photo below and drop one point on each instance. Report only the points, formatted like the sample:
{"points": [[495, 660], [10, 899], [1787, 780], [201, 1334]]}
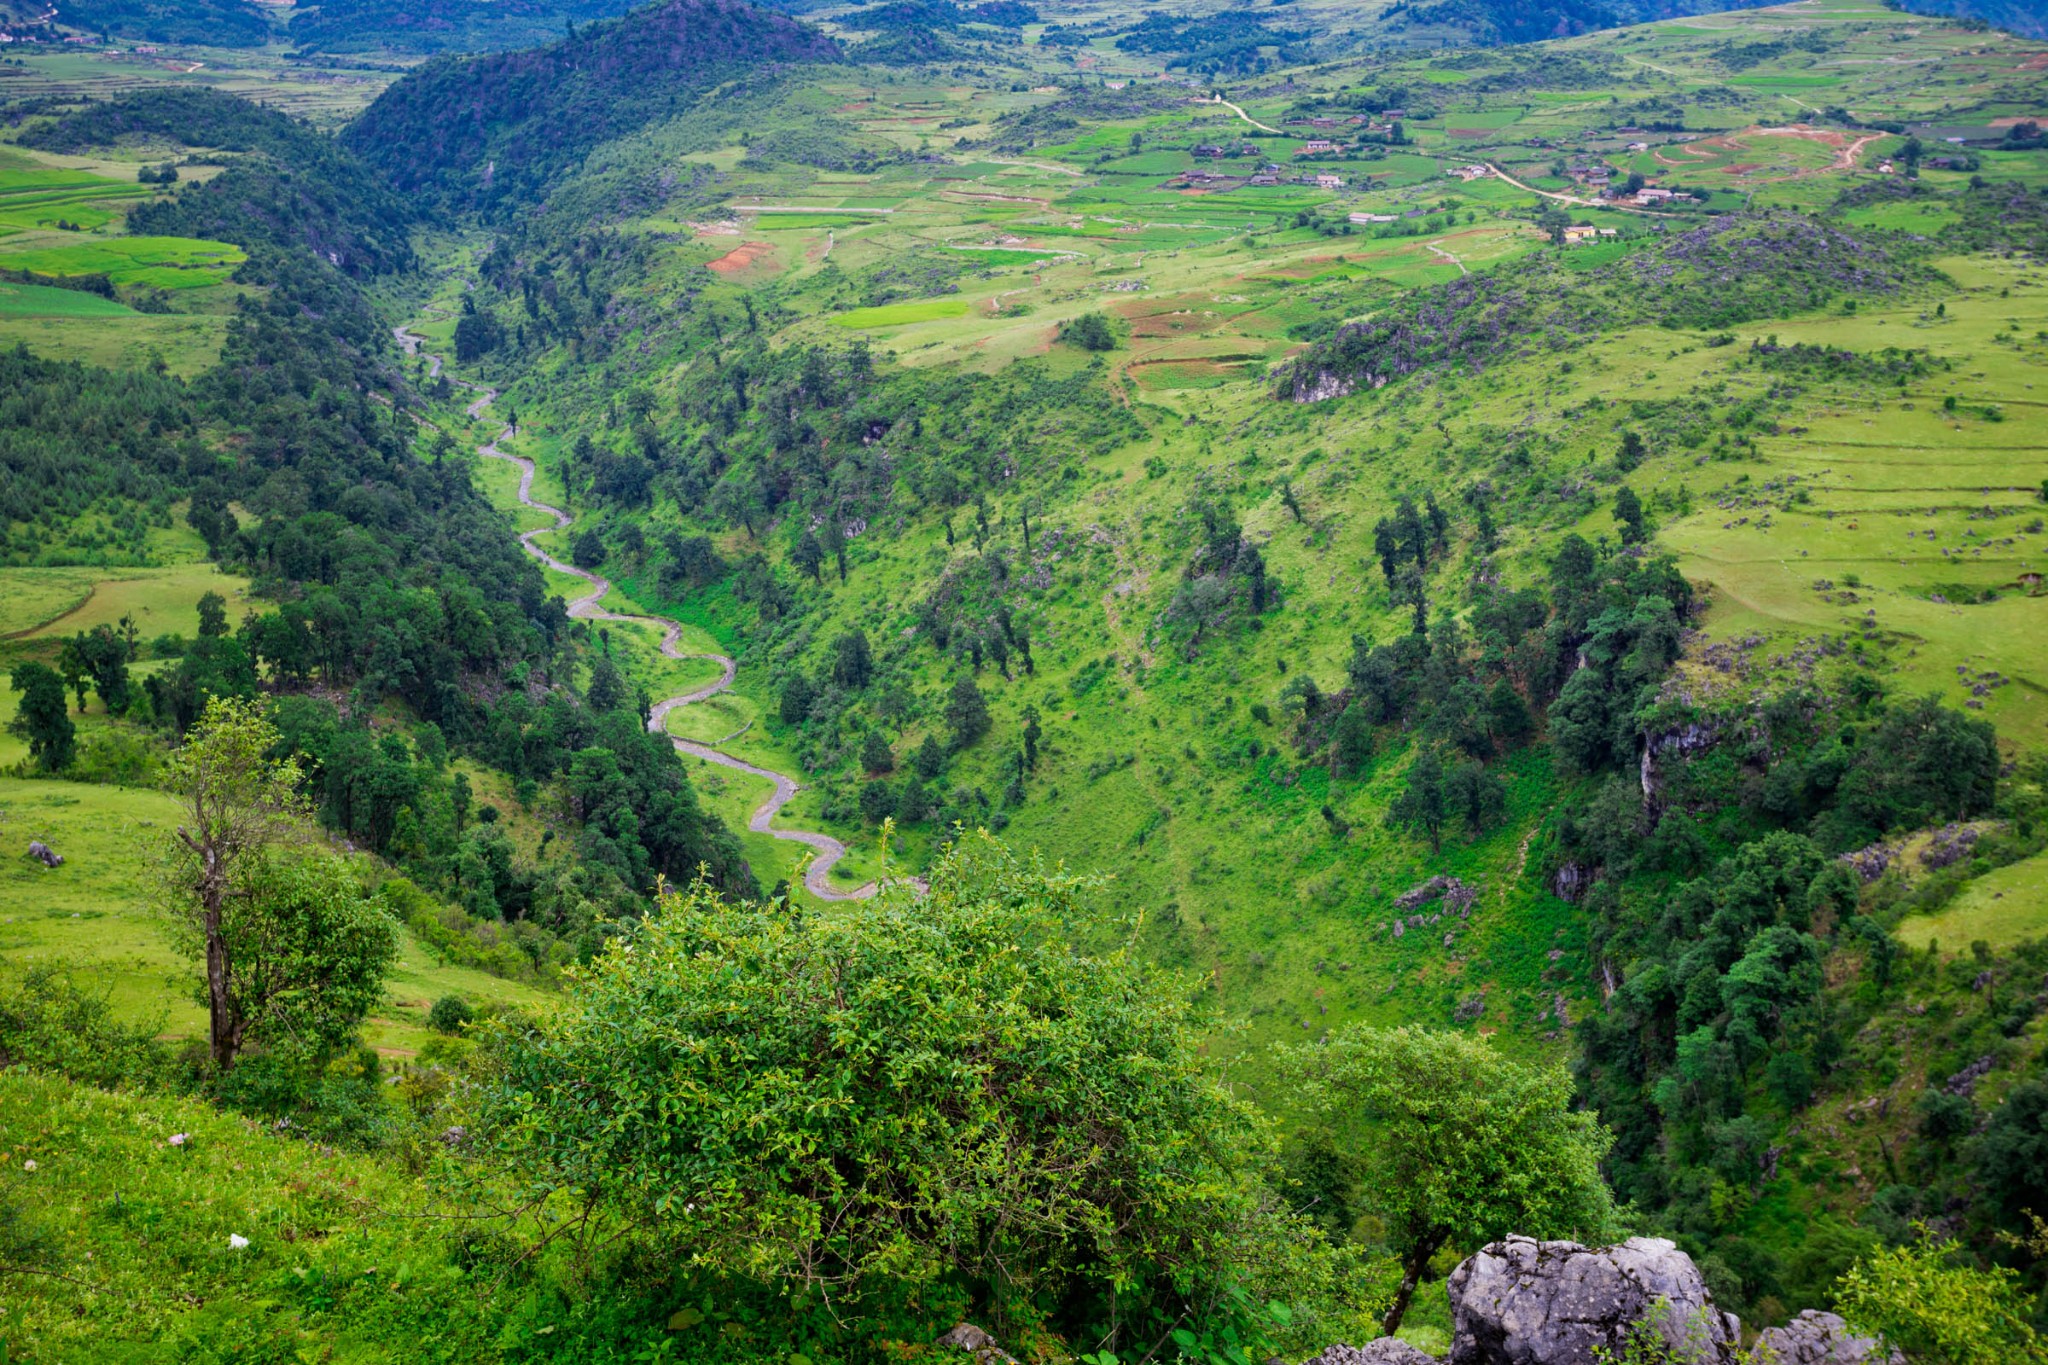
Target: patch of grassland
{"points": [[97, 912], [2001, 908], [896, 314], [159, 262], [47, 301], [40, 603], [187, 344]]}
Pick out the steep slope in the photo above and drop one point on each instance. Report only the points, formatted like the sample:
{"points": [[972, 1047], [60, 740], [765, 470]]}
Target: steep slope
{"points": [[441, 25], [488, 131], [221, 23]]}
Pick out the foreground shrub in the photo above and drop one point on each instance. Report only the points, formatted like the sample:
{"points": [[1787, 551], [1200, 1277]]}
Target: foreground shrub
{"points": [[1922, 1301], [48, 1022], [927, 1091]]}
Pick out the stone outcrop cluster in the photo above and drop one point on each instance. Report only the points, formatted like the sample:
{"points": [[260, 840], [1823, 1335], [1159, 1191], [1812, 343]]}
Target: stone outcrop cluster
{"points": [[1525, 1302]]}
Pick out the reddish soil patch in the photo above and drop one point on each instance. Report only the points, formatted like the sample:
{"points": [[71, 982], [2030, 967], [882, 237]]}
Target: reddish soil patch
{"points": [[1838, 141], [1470, 132], [1742, 168], [2035, 63], [740, 257]]}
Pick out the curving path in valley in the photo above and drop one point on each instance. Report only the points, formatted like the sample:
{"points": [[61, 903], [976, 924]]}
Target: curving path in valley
{"points": [[586, 608]]}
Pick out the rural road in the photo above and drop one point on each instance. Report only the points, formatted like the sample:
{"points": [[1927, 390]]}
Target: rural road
{"points": [[1565, 198], [1239, 112], [586, 608]]}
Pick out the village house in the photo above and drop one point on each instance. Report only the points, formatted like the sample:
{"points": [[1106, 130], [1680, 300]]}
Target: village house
{"points": [[1365, 218], [1329, 182], [1315, 146], [1469, 173]]}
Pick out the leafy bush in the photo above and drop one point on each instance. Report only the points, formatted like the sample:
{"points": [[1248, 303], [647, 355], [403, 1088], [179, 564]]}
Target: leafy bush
{"points": [[1922, 1301], [1090, 331], [449, 1014], [48, 1022], [932, 1090]]}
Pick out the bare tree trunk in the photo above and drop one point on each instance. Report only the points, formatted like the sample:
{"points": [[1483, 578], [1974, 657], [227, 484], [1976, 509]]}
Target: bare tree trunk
{"points": [[1418, 1261], [219, 1005]]}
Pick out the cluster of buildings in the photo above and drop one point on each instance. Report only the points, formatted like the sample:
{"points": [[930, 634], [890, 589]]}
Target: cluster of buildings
{"points": [[1268, 174]]}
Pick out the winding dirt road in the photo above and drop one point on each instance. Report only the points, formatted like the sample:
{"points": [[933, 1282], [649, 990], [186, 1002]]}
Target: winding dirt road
{"points": [[586, 608]]}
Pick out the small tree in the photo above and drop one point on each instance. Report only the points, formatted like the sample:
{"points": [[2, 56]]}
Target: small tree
{"points": [[853, 662], [1628, 515], [931, 758], [967, 713], [213, 616], [1423, 803], [1450, 1143], [1090, 331], [41, 717], [809, 556], [238, 803], [875, 755]]}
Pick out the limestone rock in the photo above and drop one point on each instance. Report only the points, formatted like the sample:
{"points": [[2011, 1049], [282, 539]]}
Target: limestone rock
{"points": [[967, 1337], [44, 854], [1524, 1302], [1384, 1351], [1815, 1338]]}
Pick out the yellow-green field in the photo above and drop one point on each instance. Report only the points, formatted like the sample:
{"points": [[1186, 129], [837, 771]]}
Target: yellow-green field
{"points": [[98, 913], [41, 603], [159, 262]]}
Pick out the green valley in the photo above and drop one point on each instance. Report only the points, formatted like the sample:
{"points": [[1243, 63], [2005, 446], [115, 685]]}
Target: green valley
{"points": [[786, 676]]}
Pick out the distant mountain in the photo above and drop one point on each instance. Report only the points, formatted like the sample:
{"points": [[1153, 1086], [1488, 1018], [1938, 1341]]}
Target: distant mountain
{"points": [[2026, 17], [1533, 21], [442, 25], [222, 23], [498, 129]]}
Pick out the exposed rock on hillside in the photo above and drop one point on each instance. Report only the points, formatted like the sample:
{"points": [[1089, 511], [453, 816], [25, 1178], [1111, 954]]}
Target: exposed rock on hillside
{"points": [[1525, 1302], [1820, 1339]]}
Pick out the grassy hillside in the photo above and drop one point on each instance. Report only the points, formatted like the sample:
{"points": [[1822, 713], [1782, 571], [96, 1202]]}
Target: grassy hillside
{"points": [[1805, 378], [1434, 589]]}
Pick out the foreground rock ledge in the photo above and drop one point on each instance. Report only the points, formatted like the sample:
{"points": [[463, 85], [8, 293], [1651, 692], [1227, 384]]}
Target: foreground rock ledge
{"points": [[1525, 1302]]}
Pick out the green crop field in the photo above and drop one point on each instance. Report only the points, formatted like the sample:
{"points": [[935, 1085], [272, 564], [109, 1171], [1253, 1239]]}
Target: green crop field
{"points": [[160, 262], [46, 301], [896, 314]]}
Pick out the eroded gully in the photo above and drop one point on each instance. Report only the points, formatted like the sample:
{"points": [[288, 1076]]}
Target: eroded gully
{"points": [[586, 608]]}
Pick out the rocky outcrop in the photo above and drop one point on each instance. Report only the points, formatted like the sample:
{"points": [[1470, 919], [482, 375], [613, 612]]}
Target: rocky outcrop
{"points": [[1524, 1302], [1385, 1351], [1819, 1339], [976, 1343], [44, 854]]}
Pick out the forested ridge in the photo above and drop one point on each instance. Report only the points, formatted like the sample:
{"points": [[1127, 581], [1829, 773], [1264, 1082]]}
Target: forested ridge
{"points": [[390, 574], [488, 132]]}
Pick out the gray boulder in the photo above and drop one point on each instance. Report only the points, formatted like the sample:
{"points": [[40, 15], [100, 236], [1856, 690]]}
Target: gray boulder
{"points": [[965, 1336], [44, 854], [1815, 1338], [1524, 1302], [1384, 1351]]}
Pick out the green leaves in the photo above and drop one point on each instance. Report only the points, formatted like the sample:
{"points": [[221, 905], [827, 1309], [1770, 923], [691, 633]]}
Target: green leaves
{"points": [[912, 1089]]}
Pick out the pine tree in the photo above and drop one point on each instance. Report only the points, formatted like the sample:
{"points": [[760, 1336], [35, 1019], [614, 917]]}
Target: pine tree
{"points": [[967, 713], [41, 718]]}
